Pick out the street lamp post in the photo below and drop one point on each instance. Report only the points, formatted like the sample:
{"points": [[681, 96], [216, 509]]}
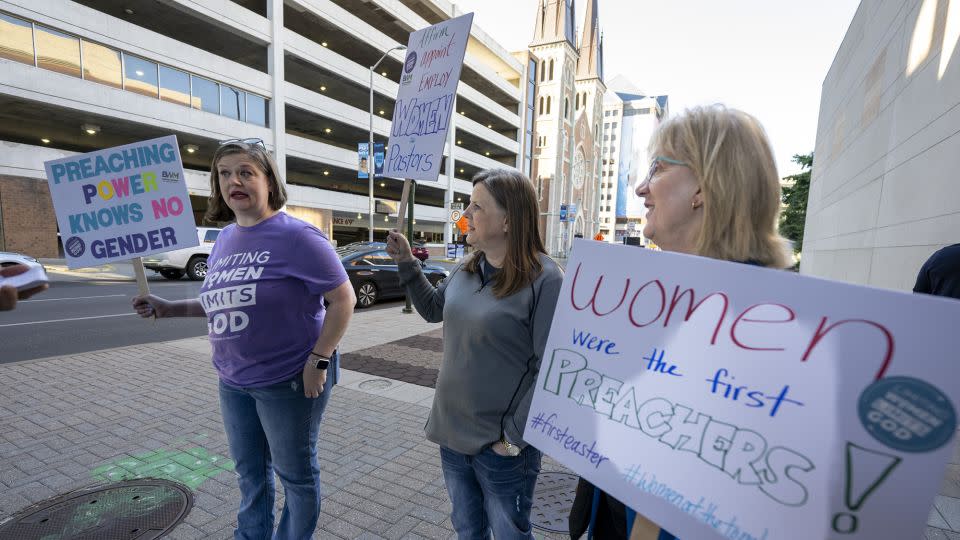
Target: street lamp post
{"points": [[370, 153]]}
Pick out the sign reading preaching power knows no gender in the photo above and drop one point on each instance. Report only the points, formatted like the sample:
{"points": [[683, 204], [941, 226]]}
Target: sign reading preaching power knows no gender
{"points": [[122, 202], [723, 400], [428, 89]]}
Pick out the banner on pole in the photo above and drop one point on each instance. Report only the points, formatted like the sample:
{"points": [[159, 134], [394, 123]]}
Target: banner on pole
{"points": [[121, 203], [723, 400], [363, 160], [428, 88]]}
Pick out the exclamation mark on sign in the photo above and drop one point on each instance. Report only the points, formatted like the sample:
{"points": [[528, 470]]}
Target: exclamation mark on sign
{"points": [[865, 471]]}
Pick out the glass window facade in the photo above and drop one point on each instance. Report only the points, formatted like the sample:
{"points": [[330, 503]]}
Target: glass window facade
{"points": [[57, 51], [174, 86], [102, 65], [232, 103], [16, 39], [256, 110], [140, 76], [206, 95], [531, 104], [25, 41]]}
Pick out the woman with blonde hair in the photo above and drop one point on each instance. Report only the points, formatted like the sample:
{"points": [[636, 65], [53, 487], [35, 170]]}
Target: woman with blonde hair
{"points": [[712, 190]]}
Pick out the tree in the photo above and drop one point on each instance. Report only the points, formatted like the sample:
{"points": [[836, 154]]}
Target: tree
{"points": [[794, 215]]}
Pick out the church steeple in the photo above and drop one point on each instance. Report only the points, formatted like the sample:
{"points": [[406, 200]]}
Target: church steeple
{"points": [[555, 23], [590, 63]]}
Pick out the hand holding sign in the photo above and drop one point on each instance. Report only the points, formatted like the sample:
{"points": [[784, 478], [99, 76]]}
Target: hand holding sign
{"points": [[398, 247]]}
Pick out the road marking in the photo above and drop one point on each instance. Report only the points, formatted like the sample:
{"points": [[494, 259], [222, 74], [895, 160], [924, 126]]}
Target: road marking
{"points": [[65, 320], [72, 298]]}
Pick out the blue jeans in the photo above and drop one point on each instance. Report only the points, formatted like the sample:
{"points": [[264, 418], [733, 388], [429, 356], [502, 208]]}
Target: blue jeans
{"points": [[491, 493], [275, 428]]}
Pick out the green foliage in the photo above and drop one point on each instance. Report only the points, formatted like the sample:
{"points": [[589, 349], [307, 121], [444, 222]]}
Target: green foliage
{"points": [[793, 217]]}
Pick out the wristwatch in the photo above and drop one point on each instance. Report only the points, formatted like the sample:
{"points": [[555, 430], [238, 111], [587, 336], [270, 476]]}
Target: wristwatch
{"points": [[511, 449], [322, 362]]}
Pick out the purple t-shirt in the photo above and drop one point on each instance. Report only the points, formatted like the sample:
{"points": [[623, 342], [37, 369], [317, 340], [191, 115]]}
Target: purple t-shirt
{"points": [[263, 295]]}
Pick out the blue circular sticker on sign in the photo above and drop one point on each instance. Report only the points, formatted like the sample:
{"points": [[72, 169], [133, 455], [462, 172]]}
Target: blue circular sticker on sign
{"points": [[410, 62], [75, 246], [907, 414]]}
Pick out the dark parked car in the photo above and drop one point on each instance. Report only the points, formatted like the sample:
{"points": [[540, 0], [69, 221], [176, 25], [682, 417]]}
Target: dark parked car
{"points": [[373, 273]]}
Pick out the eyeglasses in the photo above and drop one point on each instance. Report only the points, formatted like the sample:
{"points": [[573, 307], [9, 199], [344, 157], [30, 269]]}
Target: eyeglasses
{"points": [[655, 166], [244, 141]]}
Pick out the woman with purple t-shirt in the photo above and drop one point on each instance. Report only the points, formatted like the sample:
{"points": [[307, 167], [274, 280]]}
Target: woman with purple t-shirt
{"points": [[273, 341]]}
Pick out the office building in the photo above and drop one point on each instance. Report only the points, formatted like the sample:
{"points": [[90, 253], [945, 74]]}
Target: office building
{"points": [[630, 117]]}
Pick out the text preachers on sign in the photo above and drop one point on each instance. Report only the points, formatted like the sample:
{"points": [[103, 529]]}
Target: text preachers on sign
{"points": [[122, 202], [750, 403], [428, 89]]}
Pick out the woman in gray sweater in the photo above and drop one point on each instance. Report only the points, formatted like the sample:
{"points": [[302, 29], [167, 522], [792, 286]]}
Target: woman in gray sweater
{"points": [[497, 306]]}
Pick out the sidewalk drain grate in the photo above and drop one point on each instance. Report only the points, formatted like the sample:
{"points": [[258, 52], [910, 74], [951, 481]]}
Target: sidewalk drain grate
{"points": [[134, 509], [552, 499], [375, 384]]}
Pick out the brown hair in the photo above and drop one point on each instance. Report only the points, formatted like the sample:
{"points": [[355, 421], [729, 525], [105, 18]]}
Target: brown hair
{"points": [[514, 194], [729, 153], [217, 209]]}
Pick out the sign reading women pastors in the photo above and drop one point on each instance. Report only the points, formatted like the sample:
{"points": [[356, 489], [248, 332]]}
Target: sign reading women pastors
{"points": [[428, 89], [723, 400], [123, 202]]}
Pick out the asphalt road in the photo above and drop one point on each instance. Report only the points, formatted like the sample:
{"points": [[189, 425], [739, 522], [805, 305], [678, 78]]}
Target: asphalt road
{"points": [[80, 316]]}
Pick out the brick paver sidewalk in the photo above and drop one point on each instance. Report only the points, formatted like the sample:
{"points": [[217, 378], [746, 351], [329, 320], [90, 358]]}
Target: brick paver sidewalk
{"points": [[152, 411]]}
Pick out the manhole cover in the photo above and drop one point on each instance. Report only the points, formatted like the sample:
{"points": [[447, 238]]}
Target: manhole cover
{"points": [[135, 509], [552, 499], [375, 384]]}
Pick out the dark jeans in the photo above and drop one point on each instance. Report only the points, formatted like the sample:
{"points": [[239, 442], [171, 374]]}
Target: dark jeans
{"points": [[275, 428], [491, 493]]}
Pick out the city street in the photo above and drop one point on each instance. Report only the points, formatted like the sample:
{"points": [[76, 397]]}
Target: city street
{"points": [[74, 317]]}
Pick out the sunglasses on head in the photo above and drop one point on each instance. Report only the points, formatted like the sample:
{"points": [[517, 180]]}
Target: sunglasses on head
{"points": [[255, 141]]}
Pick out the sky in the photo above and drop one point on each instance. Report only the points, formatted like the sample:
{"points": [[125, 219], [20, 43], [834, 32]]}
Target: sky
{"points": [[766, 57]]}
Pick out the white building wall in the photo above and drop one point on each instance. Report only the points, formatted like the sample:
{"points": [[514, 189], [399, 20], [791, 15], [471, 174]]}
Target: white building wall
{"points": [[884, 191]]}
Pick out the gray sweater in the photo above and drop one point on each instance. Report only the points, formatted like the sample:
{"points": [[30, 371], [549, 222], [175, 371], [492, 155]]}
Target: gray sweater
{"points": [[491, 353]]}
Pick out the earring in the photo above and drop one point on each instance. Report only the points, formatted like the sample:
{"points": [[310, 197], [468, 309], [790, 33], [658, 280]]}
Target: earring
{"points": [[695, 205]]}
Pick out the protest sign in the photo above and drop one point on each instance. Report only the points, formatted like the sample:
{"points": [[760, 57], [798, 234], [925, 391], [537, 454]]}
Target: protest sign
{"points": [[724, 400], [121, 203], [428, 87]]}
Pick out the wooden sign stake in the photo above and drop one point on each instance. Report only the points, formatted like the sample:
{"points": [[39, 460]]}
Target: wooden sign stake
{"points": [[402, 209], [141, 276]]}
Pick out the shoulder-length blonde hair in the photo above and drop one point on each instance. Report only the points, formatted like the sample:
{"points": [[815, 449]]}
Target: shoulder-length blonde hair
{"points": [[514, 194], [217, 209], [729, 153]]}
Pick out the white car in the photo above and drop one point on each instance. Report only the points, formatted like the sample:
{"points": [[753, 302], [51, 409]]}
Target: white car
{"points": [[191, 261], [9, 259]]}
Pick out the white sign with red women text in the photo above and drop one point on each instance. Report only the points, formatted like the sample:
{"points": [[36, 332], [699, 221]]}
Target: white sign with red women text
{"points": [[428, 90], [123, 202], [724, 400]]}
